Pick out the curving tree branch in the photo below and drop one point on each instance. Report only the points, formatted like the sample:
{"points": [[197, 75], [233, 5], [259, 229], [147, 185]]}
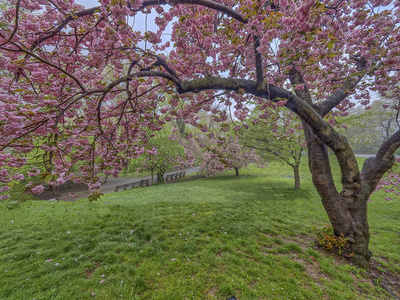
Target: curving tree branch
{"points": [[15, 25], [206, 3], [64, 23], [28, 52]]}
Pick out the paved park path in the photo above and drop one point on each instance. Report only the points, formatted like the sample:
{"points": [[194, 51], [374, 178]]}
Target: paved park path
{"points": [[111, 183], [371, 155]]}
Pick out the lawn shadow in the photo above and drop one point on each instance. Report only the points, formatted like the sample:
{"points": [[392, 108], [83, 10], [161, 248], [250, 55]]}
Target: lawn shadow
{"points": [[256, 188]]}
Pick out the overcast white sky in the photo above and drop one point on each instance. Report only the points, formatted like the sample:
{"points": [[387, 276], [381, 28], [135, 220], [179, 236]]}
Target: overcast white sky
{"points": [[88, 3]]}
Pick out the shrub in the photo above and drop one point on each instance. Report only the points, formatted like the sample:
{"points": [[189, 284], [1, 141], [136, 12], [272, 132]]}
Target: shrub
{"points": [[327, 239]]}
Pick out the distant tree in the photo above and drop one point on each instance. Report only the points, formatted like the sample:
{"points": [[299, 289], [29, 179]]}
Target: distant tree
{"points": [[217, 154], [368, 129], [162, 153], [279, 139]]}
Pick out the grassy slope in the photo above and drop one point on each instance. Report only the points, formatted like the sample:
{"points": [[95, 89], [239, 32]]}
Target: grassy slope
{"points": [[209, 238]]}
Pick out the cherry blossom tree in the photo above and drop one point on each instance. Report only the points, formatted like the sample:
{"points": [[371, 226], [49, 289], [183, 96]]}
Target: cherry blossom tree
{"points": [[77, 84], [217, 154]]}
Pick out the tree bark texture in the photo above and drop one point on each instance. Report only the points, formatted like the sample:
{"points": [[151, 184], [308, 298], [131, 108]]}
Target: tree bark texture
{"points": [[296, 173]]}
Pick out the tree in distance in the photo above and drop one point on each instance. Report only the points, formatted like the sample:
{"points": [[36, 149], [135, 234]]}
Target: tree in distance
{"points": [[279, 138]]}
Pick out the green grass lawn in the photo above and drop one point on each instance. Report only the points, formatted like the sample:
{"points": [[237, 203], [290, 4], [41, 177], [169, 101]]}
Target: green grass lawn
{"points": [[211, 238]]}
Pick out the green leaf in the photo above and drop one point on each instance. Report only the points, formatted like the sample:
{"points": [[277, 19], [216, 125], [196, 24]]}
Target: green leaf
{"points": [[4, 25], [95, 197], [48, 178], [18, 90]]}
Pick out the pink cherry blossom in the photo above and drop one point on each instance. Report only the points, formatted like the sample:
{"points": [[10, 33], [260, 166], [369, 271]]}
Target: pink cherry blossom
{"points": [[38, 189]]}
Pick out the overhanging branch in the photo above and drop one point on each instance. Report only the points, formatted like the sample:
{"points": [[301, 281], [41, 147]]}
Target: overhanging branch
{"points": [[28, 52], [64, 23], [207, 3], [15, 24]]}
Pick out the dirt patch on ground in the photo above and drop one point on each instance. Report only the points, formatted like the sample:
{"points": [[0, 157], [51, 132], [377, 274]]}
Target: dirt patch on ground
{"points": [[390, 282], [377, 275], [89, 272]]}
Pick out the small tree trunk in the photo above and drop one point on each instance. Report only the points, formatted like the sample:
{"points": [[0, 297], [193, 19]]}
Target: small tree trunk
{"points": [[181, 127], [296, 173], [236, 171], [160, 177], [152, 177]]}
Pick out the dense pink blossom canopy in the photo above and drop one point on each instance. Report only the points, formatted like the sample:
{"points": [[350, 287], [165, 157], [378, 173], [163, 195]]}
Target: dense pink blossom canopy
{"points": [[82, 86]]}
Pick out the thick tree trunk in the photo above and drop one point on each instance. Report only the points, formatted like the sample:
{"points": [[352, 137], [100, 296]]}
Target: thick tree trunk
{"points": [[348, 216], [356, 223], [296, 174], [237, 171], [346, 211]]}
